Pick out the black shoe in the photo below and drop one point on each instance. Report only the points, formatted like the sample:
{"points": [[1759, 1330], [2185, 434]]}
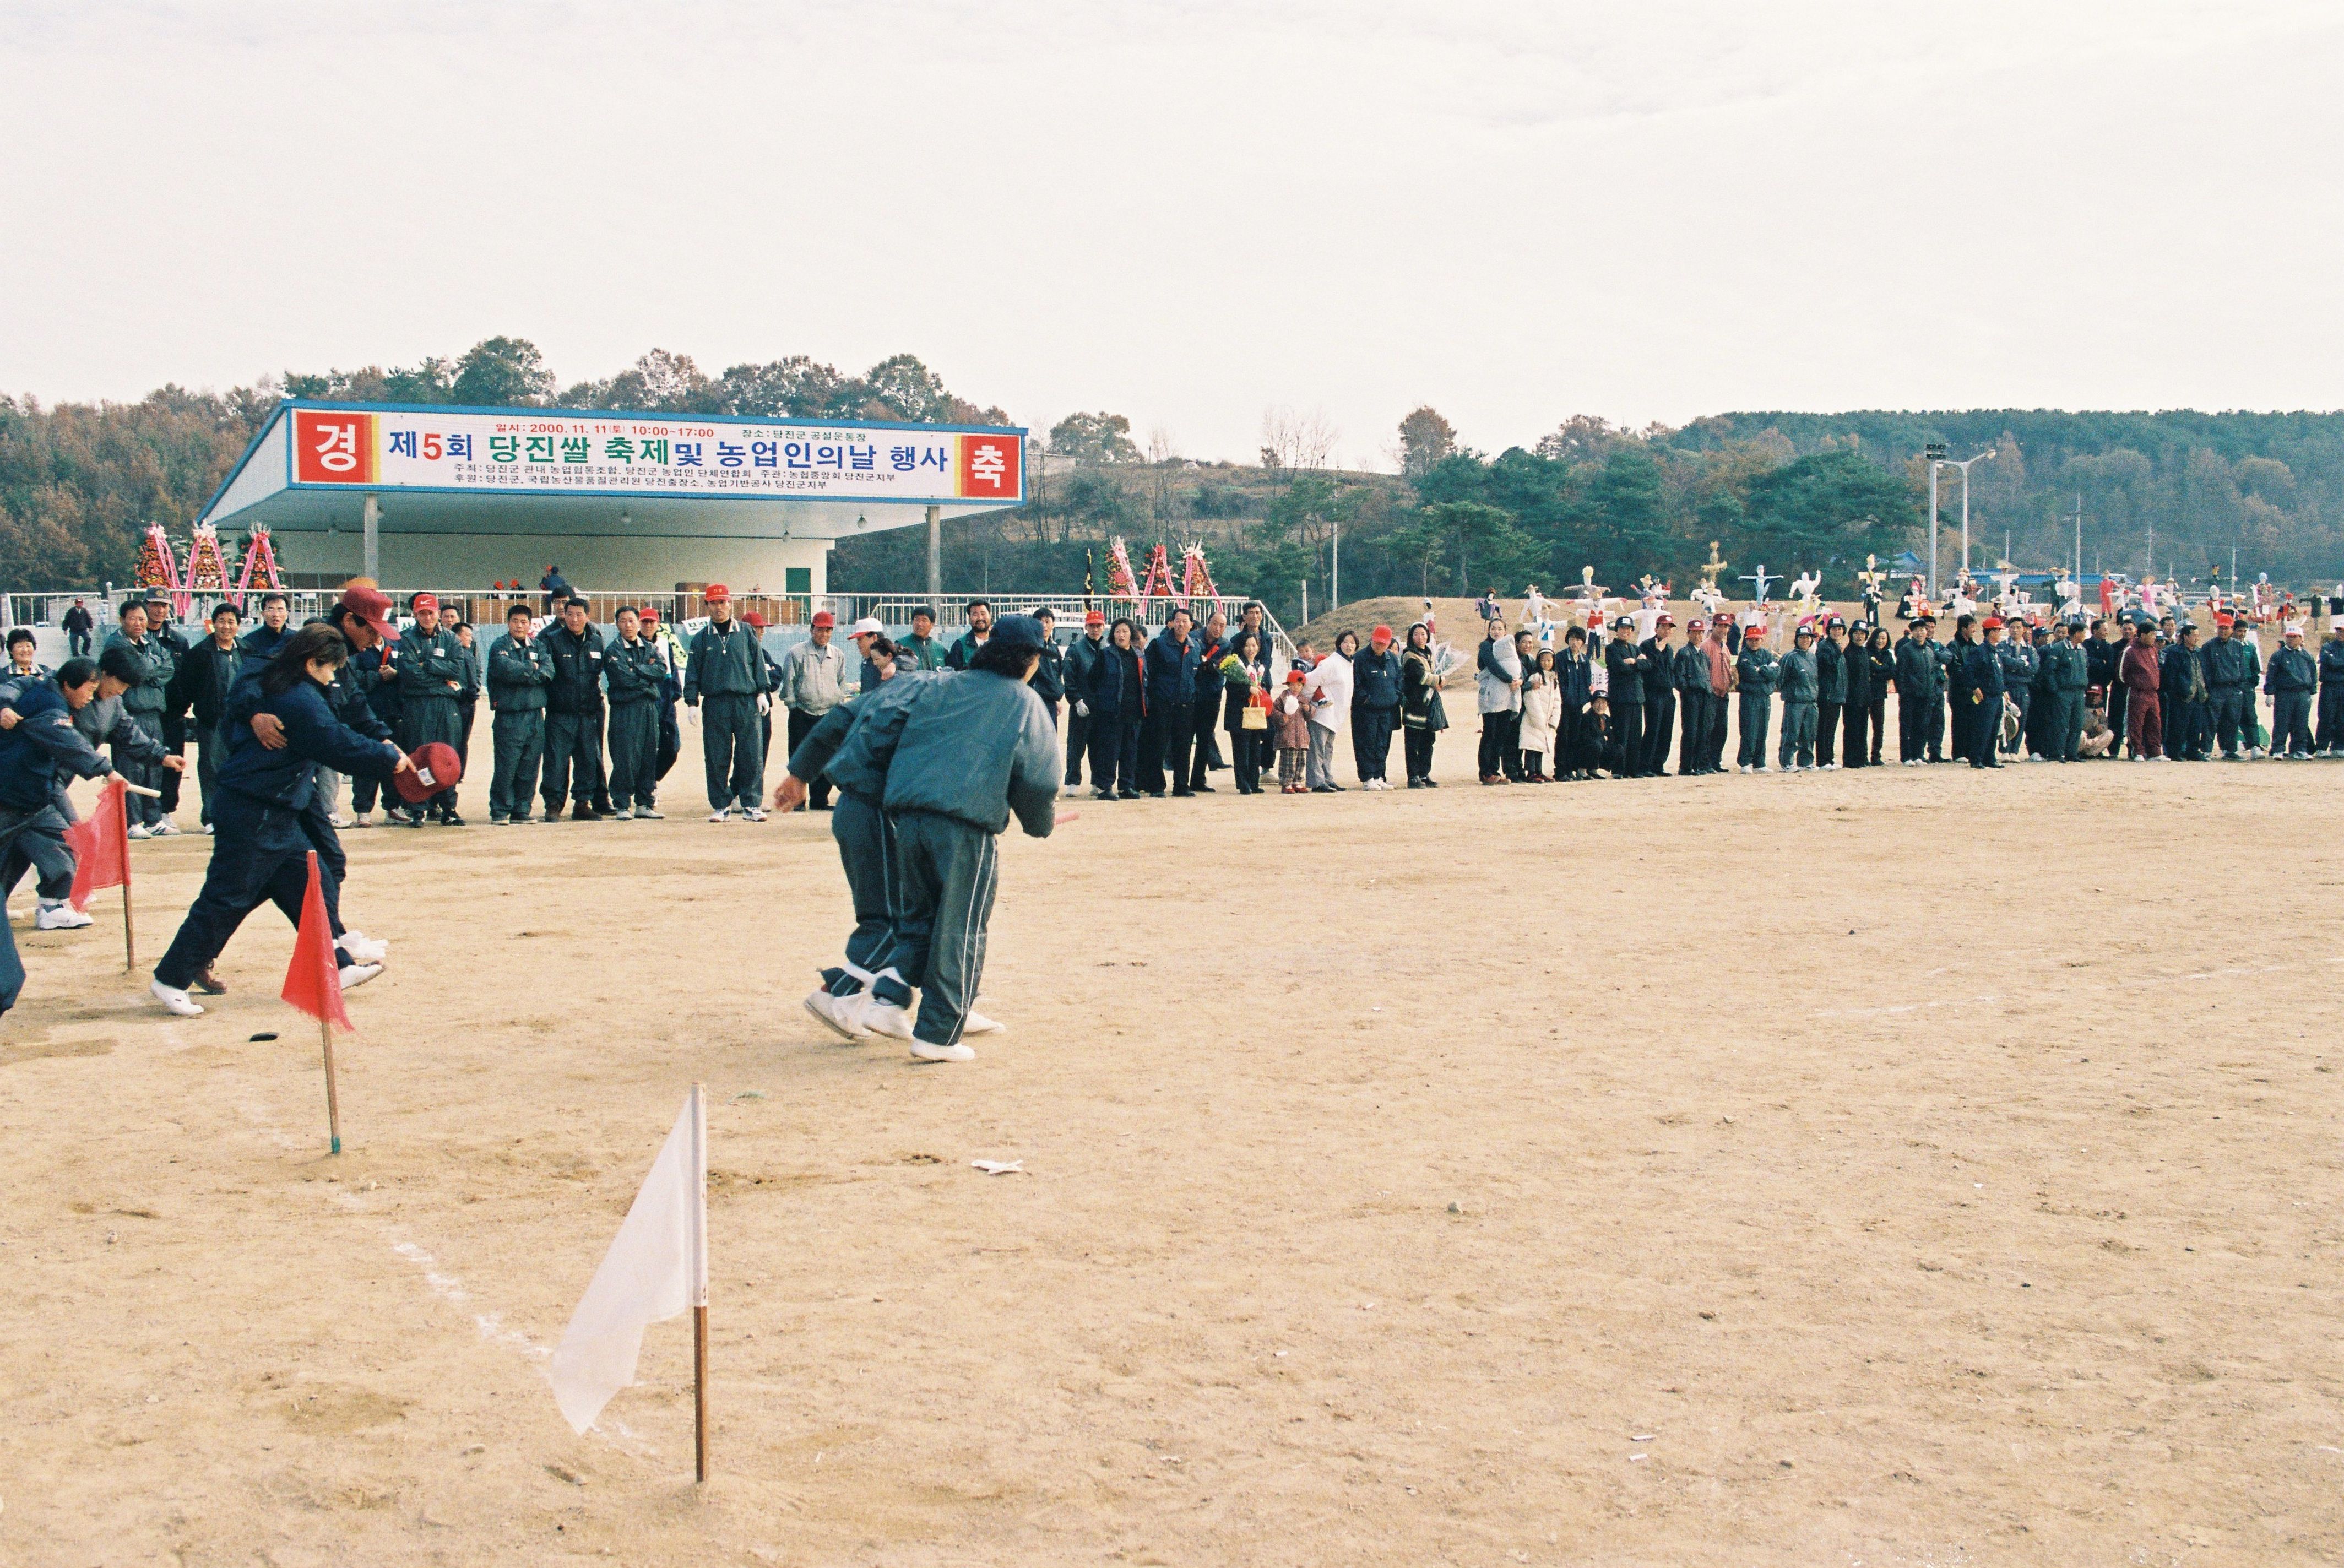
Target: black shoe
{"points": [[1431, 784], [452, 820], [1127, 795], [1202, 789], [1102, 794], [583, 813], [1153, 793], [1183, 793], [1416, 783]]}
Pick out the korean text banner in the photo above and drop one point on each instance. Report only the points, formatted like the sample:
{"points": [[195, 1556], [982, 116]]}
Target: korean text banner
{"points": [[550, 452]]}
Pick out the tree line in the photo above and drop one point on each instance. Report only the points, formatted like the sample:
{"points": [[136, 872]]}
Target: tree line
{"points": [[79, 481]]}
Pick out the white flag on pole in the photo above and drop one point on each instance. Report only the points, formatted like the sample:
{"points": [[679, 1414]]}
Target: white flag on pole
{"points": [[656, 1268]]}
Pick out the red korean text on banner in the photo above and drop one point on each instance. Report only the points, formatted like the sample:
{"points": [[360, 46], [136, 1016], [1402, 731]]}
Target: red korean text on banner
{"points": [[333, 448], [991, 467], [314, 981], [101, 846]]}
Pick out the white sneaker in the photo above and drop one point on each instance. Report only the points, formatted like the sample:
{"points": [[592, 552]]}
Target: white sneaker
{"points": [[753, 813], [165, 828], [623, 814], [975, 1023], [138, 830], [887, 1019], [363, 948], [645, 814], [357, 975], [923, 1051], [837, 1013], [176, 1000], [60, 918], [724, 816], [363, 819], [207, 830]]}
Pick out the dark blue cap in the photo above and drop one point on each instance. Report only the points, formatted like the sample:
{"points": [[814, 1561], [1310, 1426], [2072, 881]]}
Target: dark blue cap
{"points": [[1019, 631]]}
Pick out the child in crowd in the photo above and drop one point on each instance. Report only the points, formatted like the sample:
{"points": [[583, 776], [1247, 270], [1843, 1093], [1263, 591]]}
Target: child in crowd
{"points": [[1290, 721], [1541, 718]]}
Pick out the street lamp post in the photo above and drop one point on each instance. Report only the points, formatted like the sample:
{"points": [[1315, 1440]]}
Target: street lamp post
{"points": [[1935, 453]]}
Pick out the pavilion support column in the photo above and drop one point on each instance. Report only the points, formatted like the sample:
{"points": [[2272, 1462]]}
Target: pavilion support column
{"points": [[935, 554], [374, 540]]}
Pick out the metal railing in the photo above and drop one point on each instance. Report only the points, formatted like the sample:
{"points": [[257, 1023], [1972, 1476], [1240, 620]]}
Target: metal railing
{"points": [[784, 615]]}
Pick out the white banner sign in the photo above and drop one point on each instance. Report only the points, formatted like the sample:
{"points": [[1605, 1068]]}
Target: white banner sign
{"points": [[540, 451]]}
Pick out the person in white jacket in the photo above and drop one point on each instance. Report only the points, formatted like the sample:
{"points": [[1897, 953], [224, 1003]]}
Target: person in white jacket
{"points": [[1541, 717], [1329, 690]]}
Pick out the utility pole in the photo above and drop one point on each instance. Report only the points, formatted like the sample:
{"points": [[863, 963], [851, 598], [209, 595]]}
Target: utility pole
{"points": [[936, 556], [1335, 567], [2080, 540], [1935, 452]]}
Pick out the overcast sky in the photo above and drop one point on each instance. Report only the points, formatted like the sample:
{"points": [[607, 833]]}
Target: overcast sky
{"points": [[1191, 213]]}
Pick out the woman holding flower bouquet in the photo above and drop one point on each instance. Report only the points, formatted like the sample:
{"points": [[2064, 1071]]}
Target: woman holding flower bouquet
{"points": [[1244, 707]]}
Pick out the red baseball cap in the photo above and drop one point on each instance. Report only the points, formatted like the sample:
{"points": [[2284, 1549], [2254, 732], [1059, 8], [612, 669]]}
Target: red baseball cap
{"points": [[824, 618], [427, 605], [714, 592], [1380, 635], [649, 616], [369, 604], [1094, 618], [1991, 623], [756, 622], [436, 768]]}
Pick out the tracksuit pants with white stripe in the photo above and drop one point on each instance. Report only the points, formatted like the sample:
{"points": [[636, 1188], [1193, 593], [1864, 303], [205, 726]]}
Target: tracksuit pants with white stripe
{"points": [[946, 873], [866, 853]]}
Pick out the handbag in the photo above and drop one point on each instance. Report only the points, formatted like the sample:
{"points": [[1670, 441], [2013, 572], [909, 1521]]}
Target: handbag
{"points": [[1436, 717]]}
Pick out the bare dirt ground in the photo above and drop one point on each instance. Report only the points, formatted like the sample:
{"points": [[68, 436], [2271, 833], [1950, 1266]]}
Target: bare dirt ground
{"points": [[1901, 1166]]}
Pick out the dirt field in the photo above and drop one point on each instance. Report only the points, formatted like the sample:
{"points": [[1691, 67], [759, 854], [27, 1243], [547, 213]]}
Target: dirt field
{"points": [[1901, 1166]]}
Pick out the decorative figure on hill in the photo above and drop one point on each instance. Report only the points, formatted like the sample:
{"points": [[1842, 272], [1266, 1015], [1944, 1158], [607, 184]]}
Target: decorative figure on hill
{"points": [[1760, 582], [1914, 601], [1713, 569], [1806, 590], [1869, 581], [2070, 594], [1534, 606]]}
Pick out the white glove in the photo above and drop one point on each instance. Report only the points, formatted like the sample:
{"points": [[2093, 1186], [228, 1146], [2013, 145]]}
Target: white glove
{"points": [[764, 702], [1082, 709]]}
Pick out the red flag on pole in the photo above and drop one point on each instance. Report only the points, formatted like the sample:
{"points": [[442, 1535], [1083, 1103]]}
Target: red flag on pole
{"points": [[101, 846], [314, 981]]}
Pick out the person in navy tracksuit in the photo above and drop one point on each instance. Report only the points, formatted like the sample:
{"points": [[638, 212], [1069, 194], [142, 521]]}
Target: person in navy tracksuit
{"points": [[260, 846], [1119, 702]]}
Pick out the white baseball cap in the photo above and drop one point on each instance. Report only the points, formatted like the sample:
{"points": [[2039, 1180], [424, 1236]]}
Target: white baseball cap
{"points": [[864, 627]]}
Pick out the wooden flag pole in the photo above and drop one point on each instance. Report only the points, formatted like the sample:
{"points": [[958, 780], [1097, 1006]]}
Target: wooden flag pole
{"points": [[333, 1099], [129, 930], [699, 1284]]}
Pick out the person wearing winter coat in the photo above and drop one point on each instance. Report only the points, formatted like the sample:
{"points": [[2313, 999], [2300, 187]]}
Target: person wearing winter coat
{"points": [[2289, 679], [1542, 719], [1797, 679], [1082, 654], [1689, 672], [1754, 674], [1659, 697], [1376, 677], [1242, 693], [1330, 686], [1169, 723], [2016, 656], [2331, 738], [1831, 660], [1498, 694], [1625, 661], [1290, 725], [2065, 671], [1117, 698], [2143, 722], [148, 673], [1422, 717]]}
